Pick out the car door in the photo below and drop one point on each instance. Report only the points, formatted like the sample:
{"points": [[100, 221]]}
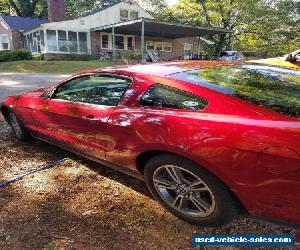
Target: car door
{"points": [[76, 114]]}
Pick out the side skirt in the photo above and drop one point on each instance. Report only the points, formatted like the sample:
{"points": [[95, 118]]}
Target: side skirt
{"points": [[105, 163]]}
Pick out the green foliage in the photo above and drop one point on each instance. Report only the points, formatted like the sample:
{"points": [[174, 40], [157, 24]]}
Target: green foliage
{"points": [[15, 55], [75, 8], [51, 246], [27, 8], [261, 25], [38, 57], [274, 27], [131, 55], [4, 7]]}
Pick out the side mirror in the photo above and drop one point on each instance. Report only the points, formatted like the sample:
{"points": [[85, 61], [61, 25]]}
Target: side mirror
{"points": [[49, 93]]}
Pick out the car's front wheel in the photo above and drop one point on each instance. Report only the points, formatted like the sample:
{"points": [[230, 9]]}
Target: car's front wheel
{"points": [[189, 191], [18, 129]]}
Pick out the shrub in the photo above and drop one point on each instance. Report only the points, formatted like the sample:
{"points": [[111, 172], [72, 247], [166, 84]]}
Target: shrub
{"points": [[38, 57], [15, 55], [131, 55], [66, 57]]}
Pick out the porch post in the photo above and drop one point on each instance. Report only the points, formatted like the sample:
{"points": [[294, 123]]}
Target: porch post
{"points": [[142, 39], [113, 42], [45, 41]]}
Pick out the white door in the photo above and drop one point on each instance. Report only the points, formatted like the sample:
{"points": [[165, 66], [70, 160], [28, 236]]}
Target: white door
{"points": [[188, 51]]}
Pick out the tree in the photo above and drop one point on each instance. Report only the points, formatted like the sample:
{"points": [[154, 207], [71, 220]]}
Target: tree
{"points": [[75, 8], [258, 23], [212, 13], [4, 7], [273, 28], [24, 8]]}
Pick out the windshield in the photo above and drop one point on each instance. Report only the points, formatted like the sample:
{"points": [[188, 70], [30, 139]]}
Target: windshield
{"points": [[227, 53], [274, 88]]}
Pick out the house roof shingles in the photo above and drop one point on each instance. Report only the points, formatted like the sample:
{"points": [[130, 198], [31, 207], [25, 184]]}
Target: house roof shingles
{"points": [[23, 23]]}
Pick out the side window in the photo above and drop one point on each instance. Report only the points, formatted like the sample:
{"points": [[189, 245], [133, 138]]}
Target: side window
{"points": [[93, 89], [167, 97]]}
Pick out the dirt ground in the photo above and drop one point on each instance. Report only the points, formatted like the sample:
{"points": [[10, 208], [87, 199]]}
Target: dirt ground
{"points": [[83, 205]]}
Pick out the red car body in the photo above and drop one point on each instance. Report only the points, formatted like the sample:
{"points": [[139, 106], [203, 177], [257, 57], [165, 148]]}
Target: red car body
{"points": [[253, 150]]}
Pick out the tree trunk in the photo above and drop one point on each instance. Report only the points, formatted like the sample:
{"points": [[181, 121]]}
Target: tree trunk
{"points": [[220, 43]]}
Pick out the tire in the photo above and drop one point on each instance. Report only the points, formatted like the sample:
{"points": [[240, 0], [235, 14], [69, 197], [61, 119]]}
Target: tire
{"points": [[17, 127], [215, 207]]}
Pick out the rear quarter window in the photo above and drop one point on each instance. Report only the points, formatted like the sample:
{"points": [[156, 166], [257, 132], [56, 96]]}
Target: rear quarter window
{"points": [[167, 97], [274, 88]]}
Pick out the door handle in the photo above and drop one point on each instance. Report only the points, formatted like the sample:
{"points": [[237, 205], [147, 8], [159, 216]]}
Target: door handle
{"points": [[93, 118], [89, 117]]}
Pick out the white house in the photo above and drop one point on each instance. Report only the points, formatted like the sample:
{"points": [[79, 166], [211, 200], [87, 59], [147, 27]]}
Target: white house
{"points": [[114, 30]]}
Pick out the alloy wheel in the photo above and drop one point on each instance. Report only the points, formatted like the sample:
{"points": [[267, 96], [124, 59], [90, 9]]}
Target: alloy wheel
{"points": [[184, 191]]}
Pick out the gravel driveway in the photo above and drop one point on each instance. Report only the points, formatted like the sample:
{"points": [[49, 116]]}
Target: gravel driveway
{"points": [[14, 83]]}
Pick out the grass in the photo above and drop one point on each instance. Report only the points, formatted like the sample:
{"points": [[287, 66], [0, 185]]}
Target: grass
{"points": [[279, 61], [34, 66]]}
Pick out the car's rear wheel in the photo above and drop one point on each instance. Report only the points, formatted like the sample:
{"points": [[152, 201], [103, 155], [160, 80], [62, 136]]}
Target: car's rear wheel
{"points": [[18, 129], [189, 191]]}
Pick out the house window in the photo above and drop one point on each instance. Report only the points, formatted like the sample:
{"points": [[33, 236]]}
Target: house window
{"points": [[4, 45], [83, 42], [73, 42], [119, 42], [130, 45], [149, 45], [134, 15], [51, 40], [188, 51], [104, 42], [62, 41], [159, 46], [67, 41], [167, 47], [124, 15], [122, 42]]}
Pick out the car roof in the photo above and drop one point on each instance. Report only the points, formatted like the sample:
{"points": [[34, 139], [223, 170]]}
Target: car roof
{"points": [[230, 51], [168, 68]]}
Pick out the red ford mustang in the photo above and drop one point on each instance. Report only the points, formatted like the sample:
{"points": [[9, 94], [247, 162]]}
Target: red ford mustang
{"points": [[208, 141]]}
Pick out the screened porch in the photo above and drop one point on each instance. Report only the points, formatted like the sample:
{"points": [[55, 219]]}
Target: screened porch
{"points": [[43, 41]]}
